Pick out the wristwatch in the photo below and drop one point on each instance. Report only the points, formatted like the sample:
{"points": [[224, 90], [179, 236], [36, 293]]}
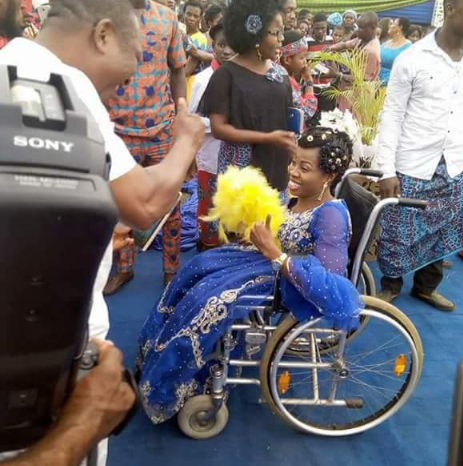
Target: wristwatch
{"points": [[278, 263]]}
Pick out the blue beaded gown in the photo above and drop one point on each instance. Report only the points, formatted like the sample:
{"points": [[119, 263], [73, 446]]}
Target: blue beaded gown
{"points": [[196, 309]]}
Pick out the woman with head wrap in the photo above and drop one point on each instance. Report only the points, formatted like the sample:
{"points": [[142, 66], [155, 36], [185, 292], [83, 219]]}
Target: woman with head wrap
{"points": [[349, 22], [294, 60], [334, 20]]}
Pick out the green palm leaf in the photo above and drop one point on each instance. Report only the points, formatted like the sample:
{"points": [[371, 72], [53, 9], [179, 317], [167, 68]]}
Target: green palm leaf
{"points": [[365, 97]]}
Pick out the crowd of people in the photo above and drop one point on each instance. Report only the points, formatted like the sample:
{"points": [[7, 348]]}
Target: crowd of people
{"points": [[213, 85]]}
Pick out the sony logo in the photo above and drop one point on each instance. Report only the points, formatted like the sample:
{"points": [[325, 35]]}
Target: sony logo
{"points": [[47, 144]]}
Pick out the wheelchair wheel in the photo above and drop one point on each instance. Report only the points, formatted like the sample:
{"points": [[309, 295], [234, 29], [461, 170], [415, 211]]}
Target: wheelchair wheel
{"points": [[367, 284], [193, 422], [337, 395], [366, 287]]}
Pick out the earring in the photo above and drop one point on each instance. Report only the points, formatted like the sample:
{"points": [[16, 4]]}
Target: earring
{"points": [[259, 55], [323, 191]]}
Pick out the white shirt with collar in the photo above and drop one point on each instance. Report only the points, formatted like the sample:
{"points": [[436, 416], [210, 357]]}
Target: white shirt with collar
{"points": [[37, 63], [207, 158], [423, 113]]}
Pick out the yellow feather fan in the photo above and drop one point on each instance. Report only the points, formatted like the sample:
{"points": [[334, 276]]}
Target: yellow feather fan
{"points": [[244, 198]]}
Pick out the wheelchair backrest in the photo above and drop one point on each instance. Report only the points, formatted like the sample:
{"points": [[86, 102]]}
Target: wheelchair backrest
{"points": [[360, 203]]}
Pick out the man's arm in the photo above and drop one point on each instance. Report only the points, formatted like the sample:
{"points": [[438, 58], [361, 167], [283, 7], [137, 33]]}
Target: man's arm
{"points": [[398, 95], [143, 195], [196, 56], [202, 55], [373, 66], [98, 404], [177, 61], [66, 446], [341, 46], [191, 64], [178, 83]]}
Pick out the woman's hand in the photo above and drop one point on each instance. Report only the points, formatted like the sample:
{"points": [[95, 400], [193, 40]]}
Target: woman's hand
{"points": [[263, 240], [121, 237], [284, 139]]}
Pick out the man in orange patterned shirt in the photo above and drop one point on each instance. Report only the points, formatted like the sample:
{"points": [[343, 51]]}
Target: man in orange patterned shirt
{"points": [[143, 112]]}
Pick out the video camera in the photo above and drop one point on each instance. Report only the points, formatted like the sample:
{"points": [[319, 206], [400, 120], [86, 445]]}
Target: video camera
{"points": [[57, 216]]}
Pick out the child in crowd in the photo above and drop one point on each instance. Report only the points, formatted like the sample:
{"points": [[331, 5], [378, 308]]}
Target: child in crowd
{"points": [[294, 60], [338, 34]]}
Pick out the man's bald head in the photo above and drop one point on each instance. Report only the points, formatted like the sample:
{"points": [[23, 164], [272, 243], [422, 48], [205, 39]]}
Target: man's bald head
{"points": [[77, 13], [367, 25], [102, 38], [369, 18]]}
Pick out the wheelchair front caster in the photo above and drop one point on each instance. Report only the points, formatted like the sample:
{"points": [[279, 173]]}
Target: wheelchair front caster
{"points": [[195, 419]]}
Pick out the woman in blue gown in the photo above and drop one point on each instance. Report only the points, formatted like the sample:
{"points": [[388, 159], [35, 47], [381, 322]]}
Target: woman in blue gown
{"points": [[183, 329]]}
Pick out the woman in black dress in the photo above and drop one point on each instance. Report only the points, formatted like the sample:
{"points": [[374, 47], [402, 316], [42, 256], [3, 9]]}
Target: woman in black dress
{"points": [[247, 99]]}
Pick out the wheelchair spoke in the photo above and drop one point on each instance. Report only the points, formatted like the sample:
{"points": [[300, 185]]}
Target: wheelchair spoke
{"points": [[367, 381], [385, 346]]}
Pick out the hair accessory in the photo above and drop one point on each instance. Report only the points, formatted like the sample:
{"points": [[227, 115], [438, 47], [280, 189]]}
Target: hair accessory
{"points": [[293, 49], [254, 24], [339, 121], [310, 138]]}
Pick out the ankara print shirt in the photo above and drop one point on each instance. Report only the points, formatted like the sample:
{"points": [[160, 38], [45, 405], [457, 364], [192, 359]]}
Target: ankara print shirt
{"points": [[144, 107]]}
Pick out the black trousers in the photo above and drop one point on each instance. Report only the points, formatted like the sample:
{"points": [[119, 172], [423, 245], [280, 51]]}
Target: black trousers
{"points": [[425, 280]]}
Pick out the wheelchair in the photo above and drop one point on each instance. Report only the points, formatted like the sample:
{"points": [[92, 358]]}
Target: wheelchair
{"points": [[316, 378]]}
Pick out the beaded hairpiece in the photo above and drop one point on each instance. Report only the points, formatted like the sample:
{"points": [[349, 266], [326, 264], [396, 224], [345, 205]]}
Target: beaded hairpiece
{"points": [[254, 24], [333, 157]]}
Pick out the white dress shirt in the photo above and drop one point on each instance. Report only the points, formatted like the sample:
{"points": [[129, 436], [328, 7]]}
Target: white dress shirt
{"points": [[208, 156], [37, 62], [423, 114]]}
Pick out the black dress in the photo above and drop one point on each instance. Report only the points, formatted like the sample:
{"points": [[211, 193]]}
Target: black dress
{"points": [[253, 102]]}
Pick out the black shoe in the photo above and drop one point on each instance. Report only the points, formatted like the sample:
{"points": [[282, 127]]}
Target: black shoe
{"points": [[116, 282]]}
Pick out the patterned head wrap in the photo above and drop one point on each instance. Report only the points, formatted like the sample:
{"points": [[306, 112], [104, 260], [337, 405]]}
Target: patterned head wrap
{"points": [[294, 48], [335, 19]]}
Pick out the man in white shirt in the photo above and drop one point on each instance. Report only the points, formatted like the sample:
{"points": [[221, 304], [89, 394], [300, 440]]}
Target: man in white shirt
{"points": [[208, 155], [421, 155], [97, 45]]}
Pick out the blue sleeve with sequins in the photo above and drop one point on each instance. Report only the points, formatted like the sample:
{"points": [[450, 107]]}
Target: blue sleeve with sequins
{"points": [[320, 278]]}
